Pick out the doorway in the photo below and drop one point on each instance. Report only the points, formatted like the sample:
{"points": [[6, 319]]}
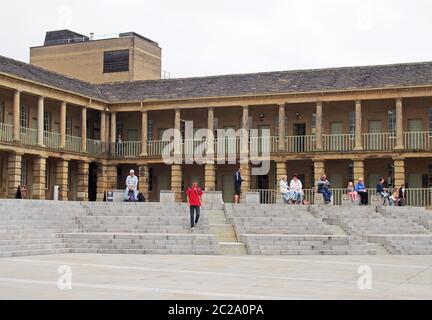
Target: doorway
{"points": [[299, 133], [92, 184], [228, 188]]}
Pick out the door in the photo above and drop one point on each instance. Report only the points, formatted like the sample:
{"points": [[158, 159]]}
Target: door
{"points": [[299, 137], [162, 184], [416, 139], [92, 183], [228, 188], [230, 143], [374, 140], [264, 145], [336, 142]]}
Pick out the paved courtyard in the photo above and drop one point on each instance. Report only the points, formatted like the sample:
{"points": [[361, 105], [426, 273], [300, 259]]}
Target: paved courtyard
{"points": [[214, 277]]}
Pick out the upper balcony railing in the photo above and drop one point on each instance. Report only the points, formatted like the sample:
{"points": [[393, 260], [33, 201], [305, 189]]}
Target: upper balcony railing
{"points": [[73, 143], [126, 149], [28, 136], [6, 132], [94, 147], [338, 142], [379, 141], [418, 140], [300, 144], [52, 140]]}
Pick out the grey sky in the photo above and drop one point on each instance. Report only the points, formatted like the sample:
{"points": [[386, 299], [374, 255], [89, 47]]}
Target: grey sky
{"points": [[203, 37]]}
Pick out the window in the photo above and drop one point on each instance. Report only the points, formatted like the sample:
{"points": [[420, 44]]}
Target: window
{"points": [[47, 121], [119, 129], [69, 179], [391, 121], [69, 125], [2, 108], [150, 180], [24, 116], [351, 172], [313, 126], [150, 130], [430, 122], [352, 120], [116, 61], [23, 179], [47, 169]]}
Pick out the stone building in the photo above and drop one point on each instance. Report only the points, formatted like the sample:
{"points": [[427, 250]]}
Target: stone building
{"points": [[61, 116]]}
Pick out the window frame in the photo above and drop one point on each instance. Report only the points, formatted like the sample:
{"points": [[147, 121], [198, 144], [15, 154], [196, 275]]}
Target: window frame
{"points": [[116, 64]]}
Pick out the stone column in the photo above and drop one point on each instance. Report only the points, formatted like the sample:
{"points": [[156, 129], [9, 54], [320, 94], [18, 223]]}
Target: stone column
{"points": [[144, 137], [246, 175], [14, 174], [177, 135], [281, 170], [143, 173], [111, 172], [244, 143], [318, 128], [399, 172], [102, 181], [63, 108], [210, 177], [282, 129], [399, 125], [39, 172], [40, 122], [358, 126], [16, 116], [103, 131], [83, 179], [62, 172], [113, 132], [84, 129], [176, 179], [358, 169], [319, 170]]}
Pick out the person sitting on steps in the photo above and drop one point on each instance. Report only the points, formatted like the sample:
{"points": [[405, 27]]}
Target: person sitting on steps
{"points": [[324, 188], [362, 192]]}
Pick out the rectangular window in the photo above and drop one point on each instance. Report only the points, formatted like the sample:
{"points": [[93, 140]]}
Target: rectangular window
{"points": [[150, 130], [119, 129], [47, 121], [23, 179], [392, 121], [47, 169], [313, 126], [150, 180], [24, 116], [69, 125], [116, 61], [2, 110], [352, 121]]}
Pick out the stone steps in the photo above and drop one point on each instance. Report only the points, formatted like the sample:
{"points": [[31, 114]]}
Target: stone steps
{"points": [[233, 248], [21, 253]]}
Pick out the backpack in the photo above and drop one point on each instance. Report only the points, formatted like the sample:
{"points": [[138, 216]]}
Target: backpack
{"points": [[141, 197]]}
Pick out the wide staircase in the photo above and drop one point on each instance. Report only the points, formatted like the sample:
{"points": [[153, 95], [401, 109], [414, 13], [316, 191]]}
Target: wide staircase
{"points": [[400, 230], [291, 230]]}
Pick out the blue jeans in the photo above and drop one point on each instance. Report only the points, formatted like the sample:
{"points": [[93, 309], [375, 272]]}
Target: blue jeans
{"points": [[194, 215], [327, 194]]}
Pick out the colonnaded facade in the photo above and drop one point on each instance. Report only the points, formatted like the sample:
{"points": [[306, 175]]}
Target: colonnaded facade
{"points": [[85, 111]]}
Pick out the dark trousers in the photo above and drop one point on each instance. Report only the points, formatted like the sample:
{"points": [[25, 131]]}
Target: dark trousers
{"points": [[363, 198], [194, 219], [327, 194]]}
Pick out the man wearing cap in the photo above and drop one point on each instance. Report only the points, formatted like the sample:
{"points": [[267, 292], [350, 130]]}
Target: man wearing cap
{"points": [[132, 185]]}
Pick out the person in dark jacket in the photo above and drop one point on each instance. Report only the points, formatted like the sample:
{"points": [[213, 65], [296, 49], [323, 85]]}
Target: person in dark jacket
{"points": [[402, 196], [237, 185], [324, 188], [380, 190]]}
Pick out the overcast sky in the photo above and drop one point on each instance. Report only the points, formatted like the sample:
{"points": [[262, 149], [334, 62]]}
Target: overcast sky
{"points": [[207, 37]]}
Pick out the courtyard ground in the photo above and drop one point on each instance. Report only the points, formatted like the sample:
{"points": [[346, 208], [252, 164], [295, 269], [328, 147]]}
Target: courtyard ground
{"points": [[215, 277]]}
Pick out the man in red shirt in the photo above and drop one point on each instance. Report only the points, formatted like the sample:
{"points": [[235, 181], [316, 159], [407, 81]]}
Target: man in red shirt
{"points": [[194, 195]]}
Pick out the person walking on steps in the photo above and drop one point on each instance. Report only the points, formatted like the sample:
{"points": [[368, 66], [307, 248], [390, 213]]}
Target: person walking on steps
{"points": [[237, 185], [194, 198]]}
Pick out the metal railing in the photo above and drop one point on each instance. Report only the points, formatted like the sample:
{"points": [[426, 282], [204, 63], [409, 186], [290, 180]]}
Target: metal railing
{"points": [[28, 136], [73, 143], [52, 140], [260, 145], [157, 148], [338, 142], [128, 149], [417, 197], [227, 146], [194, 147], [421, 140], [296, 144], [6, 132], [94, 147], [379, 141]]}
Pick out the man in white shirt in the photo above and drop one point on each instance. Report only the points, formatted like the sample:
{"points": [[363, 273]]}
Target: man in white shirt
{"points": [[132, 185], [297, 188]]}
